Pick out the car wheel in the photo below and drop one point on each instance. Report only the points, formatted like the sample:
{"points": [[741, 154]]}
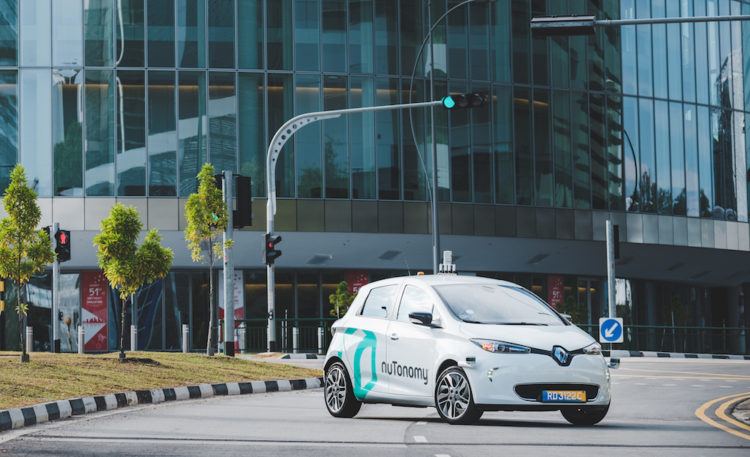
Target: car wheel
{"points": [[453, 398], [585, 415], [339, 396]]}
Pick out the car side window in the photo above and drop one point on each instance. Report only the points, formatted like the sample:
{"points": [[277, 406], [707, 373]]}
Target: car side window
{"points": [[414, 300], [379, 301]]}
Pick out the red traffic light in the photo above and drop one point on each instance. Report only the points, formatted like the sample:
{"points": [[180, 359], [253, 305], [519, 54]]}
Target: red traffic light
{"points": [[271, 252]]}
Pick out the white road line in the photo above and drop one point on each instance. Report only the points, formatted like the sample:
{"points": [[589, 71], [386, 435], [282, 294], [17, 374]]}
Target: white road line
{"points": [[670, 385], [419, 439], [697, 386], [442, 455], [421, 423], [726, 387], [641, 384]]}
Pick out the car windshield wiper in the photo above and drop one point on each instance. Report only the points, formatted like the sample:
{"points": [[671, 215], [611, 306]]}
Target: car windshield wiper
{"points": [[469, 321]]}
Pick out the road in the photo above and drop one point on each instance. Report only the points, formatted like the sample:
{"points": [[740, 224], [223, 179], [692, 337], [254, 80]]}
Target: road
{"points": [[653, 413]]}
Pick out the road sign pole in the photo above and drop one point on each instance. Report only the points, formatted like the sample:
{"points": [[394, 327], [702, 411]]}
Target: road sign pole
{"points": [[228, 267], [612, 312], [55, 292]]}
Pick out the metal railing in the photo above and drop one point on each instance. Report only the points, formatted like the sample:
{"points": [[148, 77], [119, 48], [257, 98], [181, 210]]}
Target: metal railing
{"points": [[308, 334], [688, 339]]}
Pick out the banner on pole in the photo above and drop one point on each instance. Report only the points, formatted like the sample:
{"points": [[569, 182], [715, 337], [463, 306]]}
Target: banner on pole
{"points": [[94, 304]]}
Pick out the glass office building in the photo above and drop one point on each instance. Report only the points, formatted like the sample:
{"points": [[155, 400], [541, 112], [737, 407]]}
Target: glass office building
{"points": [[124, 100]]}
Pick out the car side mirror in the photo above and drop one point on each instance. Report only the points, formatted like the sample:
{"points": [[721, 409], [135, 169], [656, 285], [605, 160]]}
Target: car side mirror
{"points": [[567, 317], [421, 318], [614, 363]]}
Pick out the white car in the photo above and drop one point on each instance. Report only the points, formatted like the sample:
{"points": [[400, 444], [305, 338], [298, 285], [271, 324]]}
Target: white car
{"points": [[463, 345]]}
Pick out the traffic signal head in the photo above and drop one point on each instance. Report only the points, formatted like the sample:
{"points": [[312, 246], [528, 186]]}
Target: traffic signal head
{"points": [[463, 101], [271, 252], [62, 245]]}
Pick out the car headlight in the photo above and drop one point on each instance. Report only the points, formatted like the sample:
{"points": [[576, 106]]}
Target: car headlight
{"points": [[501, 346], [592, 349]]}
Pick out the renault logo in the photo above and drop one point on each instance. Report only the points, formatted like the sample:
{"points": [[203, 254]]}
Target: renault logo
{"points": [[561, 355]]}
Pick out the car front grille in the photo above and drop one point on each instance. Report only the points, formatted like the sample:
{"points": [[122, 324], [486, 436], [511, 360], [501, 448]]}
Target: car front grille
{"points": [[533, 392]]}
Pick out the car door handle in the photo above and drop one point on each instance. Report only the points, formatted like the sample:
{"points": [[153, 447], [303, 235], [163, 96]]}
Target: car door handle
{"points": [[394, 336]]}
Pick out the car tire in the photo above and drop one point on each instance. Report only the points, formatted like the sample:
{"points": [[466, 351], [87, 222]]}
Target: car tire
{"points": [[453, 398], [338, 393], [585, 416]]}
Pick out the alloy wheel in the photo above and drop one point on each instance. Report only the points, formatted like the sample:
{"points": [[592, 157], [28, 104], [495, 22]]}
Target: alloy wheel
{"points": [[453, 395]]}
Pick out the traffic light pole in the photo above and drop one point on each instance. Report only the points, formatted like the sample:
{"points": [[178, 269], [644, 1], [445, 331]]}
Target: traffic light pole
{"points": [[228, 267], [282, 135], [55, 291]]}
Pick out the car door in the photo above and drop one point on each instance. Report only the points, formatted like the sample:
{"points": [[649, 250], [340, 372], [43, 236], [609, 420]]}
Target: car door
{"points": [[365, 343], [411, 348]]}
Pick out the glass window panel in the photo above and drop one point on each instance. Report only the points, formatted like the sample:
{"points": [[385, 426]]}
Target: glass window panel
{"points": [[360, 36], [481, 130], [67, 23], [595, 51], [559, 56], [540, 52], [521, 14], [663, 163], [631, 155], [691, 159], [674, 57], [417, 162], [561, 135], [8, 126], [131, 133], [129, 41], [250, 33], [161, 33], [8, 32], [460, 142], [221, 33], [412, 34], [678, 159], [100, 134], [580, 147], [614, 152], [279, 30], [500, 52], [199, 310], [479, 41], [362, 138], [458, 42], [335, 148], [253, 146], [598, 151], [309, 164], [386, 37], [162, 137], [725, 56], [643, 32], [713, 52], [334, 35], [177, 306], [544, 173], [308, 295], [629, 51], [307, 34], [99, 22], [524, 154], [256, 297], [192, 133], [646, 176], [67, 123], [280, 110], [503, 144], [612, 39], [661, 81], [191, 33], [701, 55], [705, 163], [688, 53], [222, 121], [36, 136], [387, 136], [150, 322], [36, 27]]}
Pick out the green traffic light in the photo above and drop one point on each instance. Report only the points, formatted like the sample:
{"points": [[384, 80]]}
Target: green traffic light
{"points": [[449, 102]]}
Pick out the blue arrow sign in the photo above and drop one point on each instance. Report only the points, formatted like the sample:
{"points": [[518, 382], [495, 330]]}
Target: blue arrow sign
{"points": [[610, 330]]}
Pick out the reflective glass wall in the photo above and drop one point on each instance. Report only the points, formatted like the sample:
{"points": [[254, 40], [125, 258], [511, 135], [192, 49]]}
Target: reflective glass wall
{"points": [[130, 97]]}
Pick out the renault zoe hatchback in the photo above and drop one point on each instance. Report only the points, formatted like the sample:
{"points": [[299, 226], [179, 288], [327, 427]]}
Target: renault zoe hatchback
{"points": [[463, 345]]}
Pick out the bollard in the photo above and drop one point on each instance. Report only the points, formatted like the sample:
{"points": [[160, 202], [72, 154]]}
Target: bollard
{"points": [[133, 338], [283, 335], [241, 335], [321, 339], [185, 338], [80, 339], [29, 339], [295, 340]]}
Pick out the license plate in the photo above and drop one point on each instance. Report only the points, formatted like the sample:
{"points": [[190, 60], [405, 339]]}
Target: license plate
{"points": [[564, 396]]}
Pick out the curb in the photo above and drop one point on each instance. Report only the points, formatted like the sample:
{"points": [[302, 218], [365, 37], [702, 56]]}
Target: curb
{"points": [[302, 357], [15, 418], [741, 411], [673, 355]]}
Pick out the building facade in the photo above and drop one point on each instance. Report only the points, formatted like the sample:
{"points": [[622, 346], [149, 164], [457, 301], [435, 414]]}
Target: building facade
{"points": [[123, 100]]}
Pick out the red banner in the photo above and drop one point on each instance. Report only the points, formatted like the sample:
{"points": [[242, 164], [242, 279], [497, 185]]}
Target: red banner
{"points": [[94, 304], [555, 290], [355, 280]]}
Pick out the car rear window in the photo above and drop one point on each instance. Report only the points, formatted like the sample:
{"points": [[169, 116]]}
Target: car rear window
{"points": [[379, 301]]}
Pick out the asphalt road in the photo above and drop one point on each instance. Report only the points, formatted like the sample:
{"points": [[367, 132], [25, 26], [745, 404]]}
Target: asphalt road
{"points": [[653, 413]]}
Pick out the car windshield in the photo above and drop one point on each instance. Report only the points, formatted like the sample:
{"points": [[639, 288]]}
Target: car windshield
{"points": [[496, 304]]}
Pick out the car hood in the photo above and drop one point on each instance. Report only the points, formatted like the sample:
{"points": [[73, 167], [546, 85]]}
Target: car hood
{"points": [[569, 337]]}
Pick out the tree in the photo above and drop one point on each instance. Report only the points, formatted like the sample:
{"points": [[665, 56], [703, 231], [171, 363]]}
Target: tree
{"points": [[206, 216], [127, 266], [341, 299], [24, 251]]}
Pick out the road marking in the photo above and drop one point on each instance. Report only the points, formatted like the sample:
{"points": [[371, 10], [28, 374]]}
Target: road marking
{"points": [[690, 373], [442, 455], [421, 423], [670, 385], [641, 384], [721, 412], [698, 386], [726, 387], [419, 439], [701, 414]]}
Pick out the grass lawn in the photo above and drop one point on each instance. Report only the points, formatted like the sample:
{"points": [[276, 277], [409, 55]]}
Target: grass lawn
{"points": [[60, 376]]}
